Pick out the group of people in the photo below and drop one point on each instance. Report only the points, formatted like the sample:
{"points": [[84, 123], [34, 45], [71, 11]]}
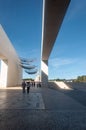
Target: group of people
{"points": [[28, 84], [25, 85]]}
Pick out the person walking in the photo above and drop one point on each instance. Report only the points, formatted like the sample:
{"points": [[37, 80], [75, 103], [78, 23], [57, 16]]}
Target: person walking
{"points": [[23, 86], [28, 87], [34, 83]]}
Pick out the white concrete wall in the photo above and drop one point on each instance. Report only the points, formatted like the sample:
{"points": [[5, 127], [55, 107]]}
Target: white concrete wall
{"points": [[3, 76], [8, 53], [44, 72], [62, 85]]}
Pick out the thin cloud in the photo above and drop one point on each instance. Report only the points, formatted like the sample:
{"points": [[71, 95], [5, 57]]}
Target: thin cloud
{"points": [[57, 62]]}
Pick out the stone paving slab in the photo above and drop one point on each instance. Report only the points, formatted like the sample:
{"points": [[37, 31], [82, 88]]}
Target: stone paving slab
{"points": [[42, 120], [41, 109], [55, 100], [16, 100]]}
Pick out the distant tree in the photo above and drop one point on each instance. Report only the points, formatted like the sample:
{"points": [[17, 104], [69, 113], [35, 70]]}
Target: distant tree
{"points": [[29, 79], [81, 78]]}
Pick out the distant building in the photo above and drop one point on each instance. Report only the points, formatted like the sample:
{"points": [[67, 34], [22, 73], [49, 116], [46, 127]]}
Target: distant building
{"points": [[37, 79]]}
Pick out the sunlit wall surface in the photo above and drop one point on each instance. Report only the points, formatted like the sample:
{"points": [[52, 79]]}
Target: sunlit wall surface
{"points": [[3, 74], [0, 67], [11, 72], [44, 72], [0, 71]]}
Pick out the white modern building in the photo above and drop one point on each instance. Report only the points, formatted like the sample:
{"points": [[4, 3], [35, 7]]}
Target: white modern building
{"points": [[11, 72]]}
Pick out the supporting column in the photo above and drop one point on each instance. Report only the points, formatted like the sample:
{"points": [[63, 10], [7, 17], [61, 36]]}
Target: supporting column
{"points": [[3, 75], [44, 73]]}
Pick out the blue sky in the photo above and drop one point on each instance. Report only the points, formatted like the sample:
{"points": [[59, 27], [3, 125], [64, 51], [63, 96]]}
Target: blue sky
{"points": [[22, 21]]}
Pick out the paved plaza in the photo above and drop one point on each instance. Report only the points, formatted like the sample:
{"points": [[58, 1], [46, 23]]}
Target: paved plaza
{"points": [[42, 109]]}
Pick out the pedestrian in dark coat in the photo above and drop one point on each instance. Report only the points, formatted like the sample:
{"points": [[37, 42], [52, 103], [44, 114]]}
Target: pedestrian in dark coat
{"points": [[28, 87], [23, 86]]}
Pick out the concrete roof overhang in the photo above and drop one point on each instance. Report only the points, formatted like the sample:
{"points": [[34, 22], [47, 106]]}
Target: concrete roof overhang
{"points": [[53, 14]]}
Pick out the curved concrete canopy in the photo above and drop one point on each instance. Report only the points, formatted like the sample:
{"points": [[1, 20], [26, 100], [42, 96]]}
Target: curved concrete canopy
{"points": [[53, 14]]}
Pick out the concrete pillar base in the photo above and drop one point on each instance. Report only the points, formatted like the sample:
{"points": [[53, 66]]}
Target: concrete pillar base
{"points": [[44, 73]]}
